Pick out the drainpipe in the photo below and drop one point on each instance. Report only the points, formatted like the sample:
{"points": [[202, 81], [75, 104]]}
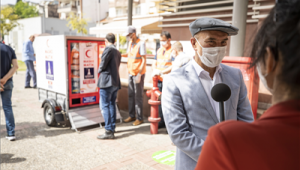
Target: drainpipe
{"points": [[130, 12], [81, 14], [239, 20]]}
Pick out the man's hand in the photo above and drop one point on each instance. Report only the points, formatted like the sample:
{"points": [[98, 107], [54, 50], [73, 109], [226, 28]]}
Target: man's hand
{"points": [[2, 82], [33, 54]]}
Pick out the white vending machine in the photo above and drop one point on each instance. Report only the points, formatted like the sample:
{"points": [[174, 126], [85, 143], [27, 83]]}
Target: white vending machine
{"points": [[67, 75]]}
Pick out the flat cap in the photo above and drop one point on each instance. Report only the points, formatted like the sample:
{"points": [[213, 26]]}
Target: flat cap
{"points": [[130, 29], [212, 24]]}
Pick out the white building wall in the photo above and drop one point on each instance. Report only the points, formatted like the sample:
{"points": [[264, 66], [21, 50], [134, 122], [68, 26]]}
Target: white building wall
{"points": [[112, 12], [39, 25], [144, 8], [21, 33], [95, 11]]}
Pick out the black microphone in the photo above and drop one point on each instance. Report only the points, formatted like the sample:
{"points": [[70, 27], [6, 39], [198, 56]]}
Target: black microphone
{"points": [[220, 93]]}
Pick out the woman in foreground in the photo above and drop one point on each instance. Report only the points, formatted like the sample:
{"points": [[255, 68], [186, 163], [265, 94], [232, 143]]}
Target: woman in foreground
{"points": [[273, 141]]}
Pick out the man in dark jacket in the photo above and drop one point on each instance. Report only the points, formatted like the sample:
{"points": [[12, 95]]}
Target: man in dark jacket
{"points": [[8, 66], [109, 84]]}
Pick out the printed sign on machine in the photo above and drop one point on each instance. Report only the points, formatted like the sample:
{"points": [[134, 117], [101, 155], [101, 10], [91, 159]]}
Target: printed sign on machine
{"points": [[88, 67], [49, 70], [90, 99]]}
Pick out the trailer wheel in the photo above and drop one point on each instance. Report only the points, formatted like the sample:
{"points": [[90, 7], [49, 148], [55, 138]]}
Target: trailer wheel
{"points": [[49, 115]]}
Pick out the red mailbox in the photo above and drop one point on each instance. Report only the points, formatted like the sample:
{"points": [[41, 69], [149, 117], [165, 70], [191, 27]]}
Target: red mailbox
{"points": [[250, 77]]}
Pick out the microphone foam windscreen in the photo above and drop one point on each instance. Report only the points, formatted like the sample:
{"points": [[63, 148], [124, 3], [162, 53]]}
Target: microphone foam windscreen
{"points": [[220, 92]]}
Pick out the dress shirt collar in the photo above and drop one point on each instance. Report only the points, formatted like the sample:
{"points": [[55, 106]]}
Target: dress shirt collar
{"points": [[199, 69]]}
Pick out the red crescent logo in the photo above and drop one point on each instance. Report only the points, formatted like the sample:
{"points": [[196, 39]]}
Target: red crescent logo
{"points": [[47, 43], [86, 53]]}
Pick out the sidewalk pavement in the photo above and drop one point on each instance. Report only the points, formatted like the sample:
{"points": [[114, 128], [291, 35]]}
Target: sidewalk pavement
{"points": [[41, 147]]}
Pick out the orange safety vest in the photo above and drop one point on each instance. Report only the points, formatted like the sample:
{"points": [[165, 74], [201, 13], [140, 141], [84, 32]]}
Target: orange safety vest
{"points": [[163, 59], [134, 62]]}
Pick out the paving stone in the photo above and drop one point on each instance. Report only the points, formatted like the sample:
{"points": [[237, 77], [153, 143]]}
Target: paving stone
{"points": [[41, 147]]}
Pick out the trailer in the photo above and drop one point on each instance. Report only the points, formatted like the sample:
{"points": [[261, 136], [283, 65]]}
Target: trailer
{"points": [[67, 75]]}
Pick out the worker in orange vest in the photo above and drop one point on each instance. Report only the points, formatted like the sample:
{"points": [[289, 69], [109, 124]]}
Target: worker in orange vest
{"points": [[136, 65], [162, 65]]}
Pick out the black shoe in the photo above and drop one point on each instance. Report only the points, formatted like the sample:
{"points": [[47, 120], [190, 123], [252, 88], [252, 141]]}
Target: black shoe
{"points": [[107, 135], [34, 87], [28, 87]]}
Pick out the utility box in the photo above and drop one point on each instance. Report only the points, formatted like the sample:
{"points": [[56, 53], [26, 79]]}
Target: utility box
{"points": [[251, 78]]}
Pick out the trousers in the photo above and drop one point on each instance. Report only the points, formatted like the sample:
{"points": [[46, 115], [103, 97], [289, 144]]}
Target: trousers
{"points": [[7, 107], [135, 96], [30, 73], [162, 121], [108, 98]]}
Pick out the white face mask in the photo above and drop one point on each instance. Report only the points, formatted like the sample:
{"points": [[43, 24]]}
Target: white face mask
{"points": [[263, 78], [163, 43], [212, 56]]}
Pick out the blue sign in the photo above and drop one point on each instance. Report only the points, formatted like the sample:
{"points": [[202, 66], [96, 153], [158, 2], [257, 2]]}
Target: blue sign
{"points": [[89, 99], [49, 70]]}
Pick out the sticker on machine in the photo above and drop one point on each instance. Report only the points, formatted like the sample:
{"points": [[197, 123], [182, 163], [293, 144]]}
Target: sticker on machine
{"points": [[49, 70], [90, 99], [88, 66], [88, 73]]}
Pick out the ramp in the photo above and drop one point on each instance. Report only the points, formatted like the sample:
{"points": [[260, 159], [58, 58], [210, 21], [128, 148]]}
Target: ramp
{"points": [[87, 116]]}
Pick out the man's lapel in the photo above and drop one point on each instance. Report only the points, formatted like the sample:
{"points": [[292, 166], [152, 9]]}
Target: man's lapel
{"points": [[226, 80], [193, 78]]}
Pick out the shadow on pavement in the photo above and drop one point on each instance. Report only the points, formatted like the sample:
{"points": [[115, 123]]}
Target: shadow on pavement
{"points": [[141, 129], [27, 130], [7, 158]]}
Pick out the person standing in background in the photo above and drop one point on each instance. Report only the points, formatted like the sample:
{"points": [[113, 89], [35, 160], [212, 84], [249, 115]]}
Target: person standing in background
{"points": [[109, 84], [162, 65], [137, 69], [181, 58], [8, 66], [29, 58]]}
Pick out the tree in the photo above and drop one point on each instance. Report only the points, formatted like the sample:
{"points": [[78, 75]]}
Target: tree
{"points": [[8, 20], [77, 23], [24, 10], [122, 40]]}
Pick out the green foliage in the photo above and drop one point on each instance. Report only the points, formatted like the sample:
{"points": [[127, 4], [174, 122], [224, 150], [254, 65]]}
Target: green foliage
{"points": [[77, 23], [8, 20], [24, 10], [149, 52], [123, 51], [22, 66], [122, 40]]}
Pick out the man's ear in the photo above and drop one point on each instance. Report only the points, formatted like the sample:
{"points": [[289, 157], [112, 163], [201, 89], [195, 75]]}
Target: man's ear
{"points": [[270, 61], [193, 42]]}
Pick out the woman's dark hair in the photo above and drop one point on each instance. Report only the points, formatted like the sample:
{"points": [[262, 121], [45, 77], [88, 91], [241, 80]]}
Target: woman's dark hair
{"points": [[166, 34], [110, 38], [280, 31]]}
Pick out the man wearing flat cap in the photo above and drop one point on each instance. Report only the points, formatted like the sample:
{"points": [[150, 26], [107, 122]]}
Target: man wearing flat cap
{"points": [[188, 107], [136, 65]]}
